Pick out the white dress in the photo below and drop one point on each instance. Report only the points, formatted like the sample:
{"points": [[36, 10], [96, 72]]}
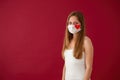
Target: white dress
{"points": [[75, 68]]}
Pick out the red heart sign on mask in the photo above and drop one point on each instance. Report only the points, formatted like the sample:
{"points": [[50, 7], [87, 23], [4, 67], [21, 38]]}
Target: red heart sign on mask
{"points": [[77, 26]]}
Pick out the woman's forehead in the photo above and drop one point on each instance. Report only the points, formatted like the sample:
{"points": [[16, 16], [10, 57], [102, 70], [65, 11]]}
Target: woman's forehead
{"points": [[73, 18]]}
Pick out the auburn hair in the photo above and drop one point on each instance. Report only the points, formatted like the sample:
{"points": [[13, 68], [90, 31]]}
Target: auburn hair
{"points": [[78, 48]]}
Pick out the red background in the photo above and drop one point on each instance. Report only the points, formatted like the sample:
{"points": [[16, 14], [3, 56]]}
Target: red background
{"points": [[31, 36]]}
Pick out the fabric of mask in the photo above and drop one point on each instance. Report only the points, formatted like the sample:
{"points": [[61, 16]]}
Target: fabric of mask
{"points": [[74, 28]]}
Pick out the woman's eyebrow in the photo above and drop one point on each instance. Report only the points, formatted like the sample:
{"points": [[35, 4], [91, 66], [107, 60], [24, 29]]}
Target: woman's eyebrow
{"points": [[75, 22]]}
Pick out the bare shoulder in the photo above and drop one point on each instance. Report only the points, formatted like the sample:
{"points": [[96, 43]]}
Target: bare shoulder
{"points": [[87, 42]]}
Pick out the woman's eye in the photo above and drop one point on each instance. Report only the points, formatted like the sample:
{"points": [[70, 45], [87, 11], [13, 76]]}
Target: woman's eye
{"points": [[70, 23], [75, 23]]}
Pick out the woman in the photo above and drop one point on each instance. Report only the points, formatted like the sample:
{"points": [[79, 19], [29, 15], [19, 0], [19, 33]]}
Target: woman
{"points": [[77, 49]]}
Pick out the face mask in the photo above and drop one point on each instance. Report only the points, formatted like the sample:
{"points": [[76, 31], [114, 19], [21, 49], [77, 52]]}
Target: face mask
{"points": [[74, 28]]}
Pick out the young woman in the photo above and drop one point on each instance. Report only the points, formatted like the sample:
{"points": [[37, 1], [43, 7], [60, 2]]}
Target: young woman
{"points": [[77, 49]]}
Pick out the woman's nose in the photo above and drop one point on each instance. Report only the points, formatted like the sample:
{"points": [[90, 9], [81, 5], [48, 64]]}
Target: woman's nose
{"points": [[73, 23]]}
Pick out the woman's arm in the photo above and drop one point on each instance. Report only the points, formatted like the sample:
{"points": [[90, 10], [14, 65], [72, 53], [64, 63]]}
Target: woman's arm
{"points": [[63, 73], [88, 58]]}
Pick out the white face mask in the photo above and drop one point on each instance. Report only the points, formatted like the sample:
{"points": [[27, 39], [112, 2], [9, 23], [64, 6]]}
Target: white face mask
{"points": [[74, 28]]}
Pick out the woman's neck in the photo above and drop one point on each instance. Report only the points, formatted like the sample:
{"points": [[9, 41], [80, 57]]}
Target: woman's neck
{"points": [[74, 37]]}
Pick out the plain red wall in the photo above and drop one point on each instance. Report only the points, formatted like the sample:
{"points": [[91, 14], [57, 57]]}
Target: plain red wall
{"points": [[31, 37]]}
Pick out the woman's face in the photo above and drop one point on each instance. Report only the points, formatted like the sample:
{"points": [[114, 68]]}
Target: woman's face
{"points": [[73, 25], [73, 20]]}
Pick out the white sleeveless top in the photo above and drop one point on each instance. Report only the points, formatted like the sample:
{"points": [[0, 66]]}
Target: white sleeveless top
{"points": [[75, 68]]}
